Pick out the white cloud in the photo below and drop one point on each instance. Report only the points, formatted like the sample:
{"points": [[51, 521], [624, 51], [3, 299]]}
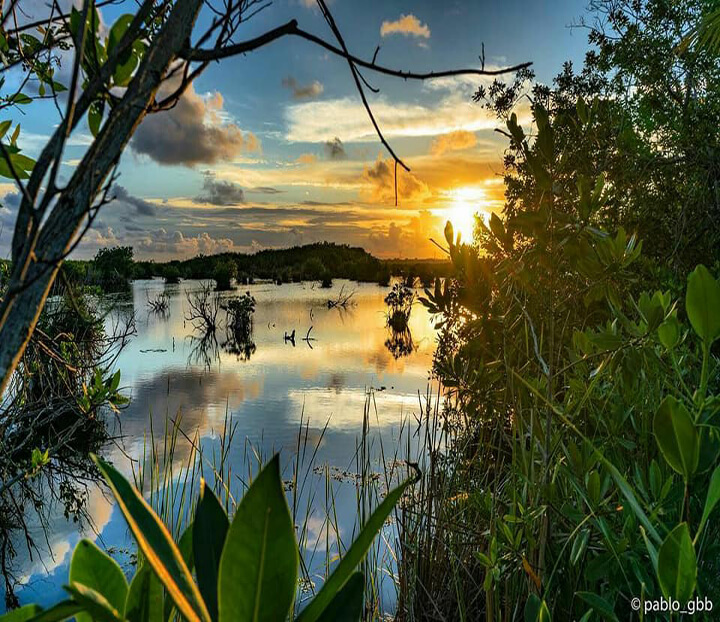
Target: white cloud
{"points": [[320, 121]]}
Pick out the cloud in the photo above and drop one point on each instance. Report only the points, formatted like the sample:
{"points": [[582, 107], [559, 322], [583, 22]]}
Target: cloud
{"points": [[346, 117], [220, 192], [141, 206], [177, 244], [407, 25], [453, 141], [406, 239], [195, 131], [309, 91], [265, 190], [334, 149], [380, 183]]}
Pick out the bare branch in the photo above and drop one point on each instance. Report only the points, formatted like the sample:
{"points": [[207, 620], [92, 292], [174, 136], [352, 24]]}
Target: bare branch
{"points": [[292, 29]]}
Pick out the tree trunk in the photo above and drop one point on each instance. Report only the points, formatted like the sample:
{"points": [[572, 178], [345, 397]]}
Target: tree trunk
{"points": [[22, 308]]}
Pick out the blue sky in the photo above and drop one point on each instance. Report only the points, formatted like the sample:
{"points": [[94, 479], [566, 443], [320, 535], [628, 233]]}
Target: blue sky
{"points": [[274, 149]]}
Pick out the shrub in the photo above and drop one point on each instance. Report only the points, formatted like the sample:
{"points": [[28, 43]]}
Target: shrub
{"points": [[224, 273]]}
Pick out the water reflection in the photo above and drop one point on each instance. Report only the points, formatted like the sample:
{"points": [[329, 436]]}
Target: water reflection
{"points": [[265, 387], [400, 342]]}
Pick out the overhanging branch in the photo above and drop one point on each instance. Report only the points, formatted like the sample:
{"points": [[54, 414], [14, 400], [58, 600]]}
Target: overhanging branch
{"points": [[291, 29]]}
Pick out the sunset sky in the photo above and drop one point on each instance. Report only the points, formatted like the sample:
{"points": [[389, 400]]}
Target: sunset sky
{"points": [[274, 149]]}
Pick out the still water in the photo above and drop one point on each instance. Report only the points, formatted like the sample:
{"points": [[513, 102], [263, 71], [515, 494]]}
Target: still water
{"points": [[266, 393]]}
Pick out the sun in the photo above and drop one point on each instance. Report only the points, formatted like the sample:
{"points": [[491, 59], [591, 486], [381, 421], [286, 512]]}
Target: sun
{"points": [[465, 203]]}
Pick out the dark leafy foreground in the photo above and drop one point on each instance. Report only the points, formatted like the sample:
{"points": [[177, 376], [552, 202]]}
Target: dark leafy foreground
{"points": [[246, 569]]}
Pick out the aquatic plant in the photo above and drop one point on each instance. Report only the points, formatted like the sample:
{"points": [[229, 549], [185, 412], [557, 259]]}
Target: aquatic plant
{"points": [[245, 568], [239, 326], [399, 301]]}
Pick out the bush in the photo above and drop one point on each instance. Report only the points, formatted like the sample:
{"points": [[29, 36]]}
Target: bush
{"points": [[172, 275], [582, 418], [224, 273]]}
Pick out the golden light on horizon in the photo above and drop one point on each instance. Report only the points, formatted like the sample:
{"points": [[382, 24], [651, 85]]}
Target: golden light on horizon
{"points": [[465, 203]]}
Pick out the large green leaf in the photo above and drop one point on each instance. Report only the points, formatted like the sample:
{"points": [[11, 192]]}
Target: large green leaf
{"points": [[347, 606], [95, 569], [209, 530], [677, 436], [64, 610], [353, 556], [677, 565], [713, 496], [258, 567], [185, 546], [93, 602], [156, 545], [21, 614], [702, 303], [145, 598]]}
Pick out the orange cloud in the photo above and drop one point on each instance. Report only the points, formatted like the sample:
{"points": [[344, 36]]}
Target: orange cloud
{"points": [[379, 182], [453, 141], [405, 25], [306, 158]]}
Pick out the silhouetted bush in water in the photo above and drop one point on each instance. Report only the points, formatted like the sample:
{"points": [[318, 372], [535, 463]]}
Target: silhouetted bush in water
{"points": [[203, 308], [399, 301], [239, 326], [172, 275], [224, 273]]}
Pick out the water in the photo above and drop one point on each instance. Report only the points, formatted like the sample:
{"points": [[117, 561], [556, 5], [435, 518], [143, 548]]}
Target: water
{"points": [[323, 383]]}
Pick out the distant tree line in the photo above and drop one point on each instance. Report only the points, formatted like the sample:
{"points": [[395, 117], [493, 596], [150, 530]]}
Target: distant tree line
{"points": [[113, 269]]}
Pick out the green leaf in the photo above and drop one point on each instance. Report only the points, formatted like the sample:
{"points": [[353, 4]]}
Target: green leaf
{"points": [[353, 556], [118, 30], [95, 115], [95, 569], [21, 614], [156, 545], [185, 546], [21, 98], [145, 597], [677, 565], [677, 436], [536, 610], [602, 607], [347, 606], [579, 546], [64, 610], [713, 496], [4, 127], [702, 303], [209, 530], [669, 332], [93, 602], [258, 567]]}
